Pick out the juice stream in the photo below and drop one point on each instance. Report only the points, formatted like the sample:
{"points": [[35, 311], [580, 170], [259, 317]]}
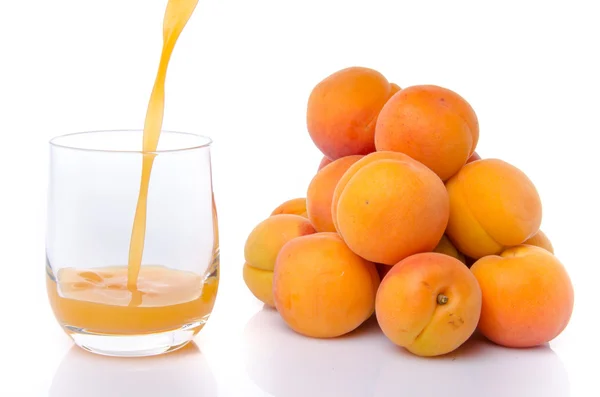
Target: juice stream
{"points": [[177, 14]]}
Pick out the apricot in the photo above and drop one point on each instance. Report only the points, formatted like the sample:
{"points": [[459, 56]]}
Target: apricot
{"points": [[445, 246], [432, 124], [527, 296], [262, 247], [260, 283], [320, 192], [540, 240], [382, 269], [429, 303], [493, 205], [321, 288], [388, 206], [324, 162], [394, 88], [474, 157], [295, 206], [342, 110], [375, 156]]}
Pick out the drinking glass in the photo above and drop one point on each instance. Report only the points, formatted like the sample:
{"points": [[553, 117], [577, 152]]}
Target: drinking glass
{"points": [[95, 180]]}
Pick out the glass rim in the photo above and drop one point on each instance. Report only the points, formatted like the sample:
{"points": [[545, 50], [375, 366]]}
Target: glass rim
{"points": [[52, 142]]}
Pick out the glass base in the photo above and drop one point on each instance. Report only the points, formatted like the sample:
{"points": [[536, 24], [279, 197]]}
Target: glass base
{"points": [[135, 345]]}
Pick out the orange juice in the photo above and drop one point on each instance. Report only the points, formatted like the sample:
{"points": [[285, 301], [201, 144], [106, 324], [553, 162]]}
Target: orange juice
{"points": [[177, 14], [133, 299], [98, 300]]}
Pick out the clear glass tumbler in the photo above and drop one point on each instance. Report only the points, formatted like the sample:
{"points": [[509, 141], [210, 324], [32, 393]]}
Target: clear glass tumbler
{"points": [[106, 303]]}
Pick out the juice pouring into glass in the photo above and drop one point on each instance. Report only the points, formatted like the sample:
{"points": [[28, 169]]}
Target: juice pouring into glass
{"points": [[124, 282]]}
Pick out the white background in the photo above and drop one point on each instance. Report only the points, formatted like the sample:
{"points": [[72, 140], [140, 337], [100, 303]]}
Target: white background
{"points": [[241, 73]]}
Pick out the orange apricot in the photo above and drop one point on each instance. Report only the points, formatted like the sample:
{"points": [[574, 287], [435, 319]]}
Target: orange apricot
{"points": [[260, 283], [493, 205], [395, 88], [342, 110], [262, 247], [295, 206], [324, 162], [474, 157], [540, 240], [320, 192], [388, 206], [527, 296], [382, 269], [428, 303], [445, 246], [368, 159], [321, 288], [432, 124]]}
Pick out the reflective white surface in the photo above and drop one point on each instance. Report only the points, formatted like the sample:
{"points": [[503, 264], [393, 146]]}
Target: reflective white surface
{"points": [[247, 350], [184, 374]]}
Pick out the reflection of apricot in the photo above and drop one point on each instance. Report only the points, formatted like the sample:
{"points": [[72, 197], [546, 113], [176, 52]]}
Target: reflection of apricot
{"points": [[527, 296], [432, 124], [388, 206], [493, 205], [283, 363], [320, 193], [477, 368], [342, 111], [428, 303], [321, 288]]}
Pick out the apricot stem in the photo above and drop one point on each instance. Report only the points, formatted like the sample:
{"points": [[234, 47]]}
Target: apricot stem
{"points": [[442, 299]]}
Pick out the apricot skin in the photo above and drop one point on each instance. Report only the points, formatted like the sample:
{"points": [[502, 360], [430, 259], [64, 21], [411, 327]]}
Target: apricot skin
{"points": [[493, 205], [342, 110], [260, 283], [474, 157], [267, 238], [411, 310], [321, 288], [376, 156], [445, 246], [382, 269], [295, 206], [323, 163], [432, 124], [527, 296], [540, 240], [262, 247], [390, 209], [320, 192]]}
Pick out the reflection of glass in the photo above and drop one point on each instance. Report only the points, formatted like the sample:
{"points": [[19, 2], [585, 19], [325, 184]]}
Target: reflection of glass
{"points": [[366, 363], [184, 373], [93, 193]]}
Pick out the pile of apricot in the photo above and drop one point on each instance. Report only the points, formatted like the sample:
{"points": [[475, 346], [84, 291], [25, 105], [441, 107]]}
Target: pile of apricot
{"points": [[404, 221]]}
